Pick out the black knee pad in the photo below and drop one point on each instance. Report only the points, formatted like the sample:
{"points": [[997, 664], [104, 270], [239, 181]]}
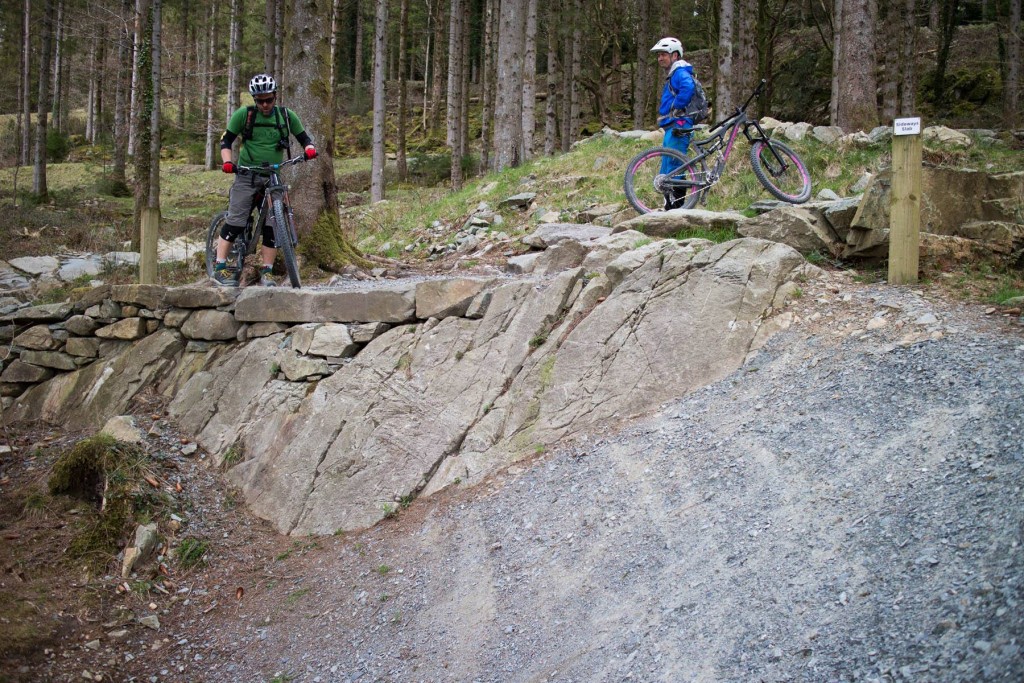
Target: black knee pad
{"points": [[268, 236], [231, 232]]}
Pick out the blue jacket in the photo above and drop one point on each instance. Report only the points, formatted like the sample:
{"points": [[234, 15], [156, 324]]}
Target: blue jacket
{"points": [[677, 92]]}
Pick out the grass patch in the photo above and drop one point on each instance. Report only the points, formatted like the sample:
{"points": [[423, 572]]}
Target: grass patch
{"points": [[716, 235], [108, 475], [192, 553]]}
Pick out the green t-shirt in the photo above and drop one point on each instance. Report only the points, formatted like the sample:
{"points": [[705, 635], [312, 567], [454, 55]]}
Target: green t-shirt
{"points": [[266, 133]]}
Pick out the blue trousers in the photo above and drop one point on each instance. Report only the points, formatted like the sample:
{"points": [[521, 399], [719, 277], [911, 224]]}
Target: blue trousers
{"points": [[679, 142]]}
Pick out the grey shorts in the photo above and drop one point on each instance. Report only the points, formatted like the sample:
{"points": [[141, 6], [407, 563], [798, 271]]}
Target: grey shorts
{"points": [[240, 197]]}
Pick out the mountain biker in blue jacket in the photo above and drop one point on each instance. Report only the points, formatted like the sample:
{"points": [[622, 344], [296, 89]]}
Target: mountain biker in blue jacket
{"points": [[675, 97]]}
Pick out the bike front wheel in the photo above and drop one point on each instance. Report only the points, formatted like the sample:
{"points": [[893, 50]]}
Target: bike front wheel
{"points": [[648, 189], [211, 240], [788, 180], [284, 232]]}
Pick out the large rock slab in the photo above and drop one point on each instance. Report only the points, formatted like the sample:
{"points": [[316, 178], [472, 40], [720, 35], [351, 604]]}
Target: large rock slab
{"points": [[671, 223], [263, 304], [681, 320], [92, 395], [376, 429]]}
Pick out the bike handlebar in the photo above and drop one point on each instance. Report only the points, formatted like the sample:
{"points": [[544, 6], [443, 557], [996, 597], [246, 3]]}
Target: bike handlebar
{"points": [[267, 166]]}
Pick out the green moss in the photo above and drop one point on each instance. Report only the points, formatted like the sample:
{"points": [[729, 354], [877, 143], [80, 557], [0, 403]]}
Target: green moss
{"points": [[110, 475], [327, 247]]}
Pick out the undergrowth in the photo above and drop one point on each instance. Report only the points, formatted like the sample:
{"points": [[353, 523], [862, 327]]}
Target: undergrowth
{"points": [[108, 476]]}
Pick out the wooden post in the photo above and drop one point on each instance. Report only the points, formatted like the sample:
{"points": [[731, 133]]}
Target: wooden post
{"points": [[905, 209], [148, 239]]}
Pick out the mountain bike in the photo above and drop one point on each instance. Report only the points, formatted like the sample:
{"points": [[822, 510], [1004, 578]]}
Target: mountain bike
{"points": [[777, 167], [273, 203]]}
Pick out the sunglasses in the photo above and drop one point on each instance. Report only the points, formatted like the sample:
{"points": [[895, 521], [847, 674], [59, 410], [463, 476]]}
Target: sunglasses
{"points": [[265, 100]]}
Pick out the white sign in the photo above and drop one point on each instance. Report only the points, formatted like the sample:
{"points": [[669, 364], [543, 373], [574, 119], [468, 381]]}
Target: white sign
{"points": [[907, 126]]}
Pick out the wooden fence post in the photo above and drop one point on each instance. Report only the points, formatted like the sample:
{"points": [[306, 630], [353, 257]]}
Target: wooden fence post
{"points": [[148, 239], [905, 209]]}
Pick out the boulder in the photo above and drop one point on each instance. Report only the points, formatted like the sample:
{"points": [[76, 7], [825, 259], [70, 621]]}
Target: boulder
{"points": [[332, 340], [562, 256], [200, 297], [124, 428], [803, 229], [798, 131], [128, 329], [210, 325], [946, 136], [21, 372], [443, 298], [523, 263], [50, 359], [36, 265], [549, 234], [671, 223], [82, 325], [827, 134], [37, 338]]}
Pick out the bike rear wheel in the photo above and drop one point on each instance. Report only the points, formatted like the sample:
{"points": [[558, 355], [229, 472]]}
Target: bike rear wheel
{"points": [[647, 189], [788, 181], [284, 233]]}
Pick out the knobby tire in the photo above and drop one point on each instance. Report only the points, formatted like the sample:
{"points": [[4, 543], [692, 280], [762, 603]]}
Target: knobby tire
{"points": [[790, 184], [283, 232], [644, 170], [211, 240]]}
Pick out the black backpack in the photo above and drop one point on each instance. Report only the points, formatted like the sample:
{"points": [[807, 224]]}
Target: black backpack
{"points": [[284, 129], [697, 110]]}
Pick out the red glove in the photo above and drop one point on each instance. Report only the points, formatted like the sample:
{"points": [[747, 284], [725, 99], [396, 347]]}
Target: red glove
{"points": [[228, 167], [310, 152]]}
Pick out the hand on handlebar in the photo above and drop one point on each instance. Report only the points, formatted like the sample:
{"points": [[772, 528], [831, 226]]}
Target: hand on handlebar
{"points": [[310, 152], [229, 167]]}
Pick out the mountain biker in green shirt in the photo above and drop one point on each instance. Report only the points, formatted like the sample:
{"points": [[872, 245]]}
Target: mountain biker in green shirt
{"points": [[265, 132]]}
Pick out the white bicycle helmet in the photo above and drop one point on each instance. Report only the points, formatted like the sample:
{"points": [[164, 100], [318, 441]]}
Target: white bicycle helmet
{"points": [[668, 45], [262, 84]]}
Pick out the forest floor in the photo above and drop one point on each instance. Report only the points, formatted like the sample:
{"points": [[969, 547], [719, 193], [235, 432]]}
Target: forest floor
{"points": [[846, 506]]}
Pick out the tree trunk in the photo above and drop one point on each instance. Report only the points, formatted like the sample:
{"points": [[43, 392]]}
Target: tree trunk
{"points": [[551, 103], [642, 65], [279, 64], [947, 27], [272, 40], [234, 52], [133, 116], [90, 102], [508, 111], [143, 117], [464, 89], [565, 92], [58, 71], [153, 201], [888, 39], [358, 57], [26, 86], [856, 108], [837, 53], [438, 59], [530, 81], [184, 70], [314, 193], [380, 30], [454, 73], [724, 97], [43, 104], [403, 94], [454, 109], [212, 127], [746, 70], [487, 89], [574, 86], [908, 61], [1011, 84], [120, 141]]}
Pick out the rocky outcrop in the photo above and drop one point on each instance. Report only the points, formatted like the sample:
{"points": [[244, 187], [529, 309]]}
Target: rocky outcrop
{"points": [[330, 424]]}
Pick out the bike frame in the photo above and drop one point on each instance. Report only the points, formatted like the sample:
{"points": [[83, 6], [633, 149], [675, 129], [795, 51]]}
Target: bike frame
{"points": [[274, 188], [715, 142]]}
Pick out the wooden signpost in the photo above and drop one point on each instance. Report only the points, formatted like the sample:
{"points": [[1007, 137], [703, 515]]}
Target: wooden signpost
{"points": [[148, 239], [905, 209]]}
